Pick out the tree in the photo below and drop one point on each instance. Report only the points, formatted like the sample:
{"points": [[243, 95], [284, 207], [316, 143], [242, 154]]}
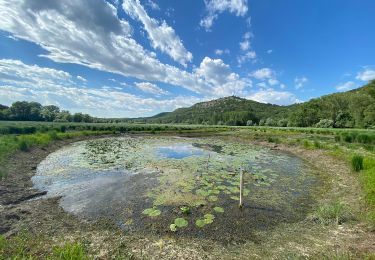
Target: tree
{"points": [[50, 112], [27, 111]]}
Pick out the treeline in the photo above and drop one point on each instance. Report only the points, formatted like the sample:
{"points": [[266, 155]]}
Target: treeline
{"points": [[33, 111], [350, 109]]}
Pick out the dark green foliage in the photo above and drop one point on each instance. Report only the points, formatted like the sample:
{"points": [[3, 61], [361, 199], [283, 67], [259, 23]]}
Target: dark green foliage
{"points": [[357, 162], [33, 111], [224, 111]]}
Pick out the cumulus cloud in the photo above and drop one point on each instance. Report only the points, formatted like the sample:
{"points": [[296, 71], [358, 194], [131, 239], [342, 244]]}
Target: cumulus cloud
{"points": [[151, 88], [215, 7], [161, 35], [224, 82], [345, 86], [299, 82], [19, 81], [89, 33], [366, 75], [274, 97]]}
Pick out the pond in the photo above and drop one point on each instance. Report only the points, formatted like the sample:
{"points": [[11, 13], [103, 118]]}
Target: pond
{"points": [[180, 186]]}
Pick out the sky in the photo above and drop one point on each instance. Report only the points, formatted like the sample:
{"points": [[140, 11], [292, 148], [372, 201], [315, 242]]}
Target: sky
{"points": [[135, 58]]}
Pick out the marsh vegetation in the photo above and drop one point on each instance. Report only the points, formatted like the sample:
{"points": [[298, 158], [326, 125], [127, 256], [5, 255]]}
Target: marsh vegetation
{"points": [[179, 190]]}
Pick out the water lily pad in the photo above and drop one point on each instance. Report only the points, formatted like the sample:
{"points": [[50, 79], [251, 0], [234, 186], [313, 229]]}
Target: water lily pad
{"points": [[180, 222], [212, 198], [200, 223], [209, 216], [173, 227], [219, 209], [152, 212]]}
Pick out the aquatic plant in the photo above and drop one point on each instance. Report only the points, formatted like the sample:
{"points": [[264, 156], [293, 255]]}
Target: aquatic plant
{"points": [[219, 209], [185, 209], [180, 222], [151, 212]]}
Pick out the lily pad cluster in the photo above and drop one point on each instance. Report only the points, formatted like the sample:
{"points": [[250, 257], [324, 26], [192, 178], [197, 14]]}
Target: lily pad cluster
{"points": [[208, 219]]}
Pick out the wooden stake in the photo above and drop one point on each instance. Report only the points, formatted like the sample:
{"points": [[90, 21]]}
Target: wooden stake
{"points": [[241, 188]]}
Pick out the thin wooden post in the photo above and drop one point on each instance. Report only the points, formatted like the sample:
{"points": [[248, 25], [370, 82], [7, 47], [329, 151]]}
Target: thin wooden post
{"points": [[241, 189]]}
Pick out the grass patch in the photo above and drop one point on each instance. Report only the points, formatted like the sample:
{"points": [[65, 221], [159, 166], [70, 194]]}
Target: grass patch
{"points": [[357, 162], [70, 251], [335, 213]]}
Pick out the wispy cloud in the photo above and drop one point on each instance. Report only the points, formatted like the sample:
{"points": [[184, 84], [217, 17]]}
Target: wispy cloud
{"points": [[366, 74], [299, 82], [161, 35], [345, 86], [215, 7]]}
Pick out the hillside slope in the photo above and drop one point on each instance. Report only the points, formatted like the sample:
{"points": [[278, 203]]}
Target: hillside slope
{"points": [[355, 108]]}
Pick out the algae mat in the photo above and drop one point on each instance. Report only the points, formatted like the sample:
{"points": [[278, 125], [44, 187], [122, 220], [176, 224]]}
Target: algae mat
{"points": [[179, 186]]}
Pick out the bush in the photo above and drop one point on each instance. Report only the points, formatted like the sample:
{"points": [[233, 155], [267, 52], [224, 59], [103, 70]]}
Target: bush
{"points": [[325, 123], [357, 162]]}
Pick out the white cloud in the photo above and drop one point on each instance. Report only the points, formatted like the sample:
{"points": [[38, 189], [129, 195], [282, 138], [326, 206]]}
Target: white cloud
{"points": [[269, 51], [215, 7], [345, 86], [19, 81], [247, 53], [264, 73], [274, 97], [161, 35], [250, 55], [273, 82], [153, 5], [224, 82], [221, 52], [89, 33], [245, 44], [81, 79], [366, 75], [299, 82], [151, 88]]}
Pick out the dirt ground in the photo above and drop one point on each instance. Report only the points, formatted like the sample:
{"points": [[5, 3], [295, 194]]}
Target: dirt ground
{"points": [[22, 209]]}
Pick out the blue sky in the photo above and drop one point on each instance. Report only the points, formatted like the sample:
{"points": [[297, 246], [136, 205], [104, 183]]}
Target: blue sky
{"points": [[137, 58]]}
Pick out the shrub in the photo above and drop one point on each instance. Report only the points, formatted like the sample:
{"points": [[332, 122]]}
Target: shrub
{"points": [[325, 123], [357, 162]]}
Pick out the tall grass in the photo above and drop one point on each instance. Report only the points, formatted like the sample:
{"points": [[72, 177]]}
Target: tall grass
{"points": [[335, 213], [70, 251], [357, 162]]}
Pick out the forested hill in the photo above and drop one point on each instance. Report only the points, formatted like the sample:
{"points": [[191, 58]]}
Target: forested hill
{"points": [[229, 110], [355, 108]]}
